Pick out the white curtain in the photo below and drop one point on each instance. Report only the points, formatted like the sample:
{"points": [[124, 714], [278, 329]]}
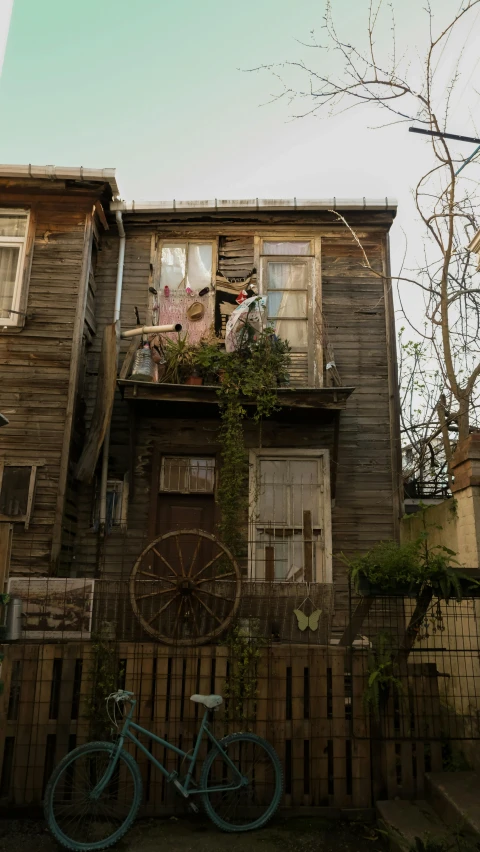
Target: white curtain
{"points": [[287, 297], [8, 272]]}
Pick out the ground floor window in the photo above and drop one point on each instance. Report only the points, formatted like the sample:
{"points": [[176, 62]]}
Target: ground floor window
{"points": [[290, 526]]}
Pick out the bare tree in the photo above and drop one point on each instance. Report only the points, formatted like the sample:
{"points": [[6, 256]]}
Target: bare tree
{"points": [[441, 362]]}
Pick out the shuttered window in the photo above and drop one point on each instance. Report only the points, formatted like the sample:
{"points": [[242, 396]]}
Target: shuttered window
{"points": [[13, 236]]}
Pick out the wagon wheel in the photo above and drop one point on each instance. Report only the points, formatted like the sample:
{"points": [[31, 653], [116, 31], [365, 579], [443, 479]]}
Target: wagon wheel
{"points": [[185, 587]]}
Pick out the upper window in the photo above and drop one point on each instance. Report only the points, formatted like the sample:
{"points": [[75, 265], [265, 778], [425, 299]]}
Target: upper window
{"points": [[17, 489], [13, 236], [186, 266], [287, 280]]}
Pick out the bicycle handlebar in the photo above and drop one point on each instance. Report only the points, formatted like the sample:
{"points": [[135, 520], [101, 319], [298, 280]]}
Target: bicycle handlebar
{"points": [[122, 695]]}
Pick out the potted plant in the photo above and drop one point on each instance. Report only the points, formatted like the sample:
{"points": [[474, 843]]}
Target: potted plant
{"points": [[179, 360], [194, 378], [208, 361], [404, 570]]}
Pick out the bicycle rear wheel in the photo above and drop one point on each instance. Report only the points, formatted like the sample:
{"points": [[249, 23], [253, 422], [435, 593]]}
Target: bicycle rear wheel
{"points": [[253, 804], [80, 822]]}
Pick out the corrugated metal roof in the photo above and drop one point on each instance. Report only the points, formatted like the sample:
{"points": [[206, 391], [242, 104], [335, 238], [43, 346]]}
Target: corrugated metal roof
{"points": [[256, 204], [78, 173]]}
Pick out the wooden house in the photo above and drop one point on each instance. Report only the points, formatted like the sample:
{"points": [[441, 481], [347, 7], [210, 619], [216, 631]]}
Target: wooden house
{"points": [[88, 268], [101, 456]]}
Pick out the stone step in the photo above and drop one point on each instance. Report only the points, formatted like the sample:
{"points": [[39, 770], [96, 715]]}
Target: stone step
{"points": [[455, 796], [404, 821]]}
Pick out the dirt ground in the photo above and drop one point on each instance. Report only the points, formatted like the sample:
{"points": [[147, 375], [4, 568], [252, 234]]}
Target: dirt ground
{"points": [[198, 835]]}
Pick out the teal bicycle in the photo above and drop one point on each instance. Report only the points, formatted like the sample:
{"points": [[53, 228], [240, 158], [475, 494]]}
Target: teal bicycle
{"points": [[94, 794]]}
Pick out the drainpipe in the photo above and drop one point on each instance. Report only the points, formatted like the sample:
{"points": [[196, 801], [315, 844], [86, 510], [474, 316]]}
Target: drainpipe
{"points": [[116, 319]]}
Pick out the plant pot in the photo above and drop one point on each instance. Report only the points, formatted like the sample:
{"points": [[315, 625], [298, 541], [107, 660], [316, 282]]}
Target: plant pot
{"points": [[194, 380], [401, 590]]}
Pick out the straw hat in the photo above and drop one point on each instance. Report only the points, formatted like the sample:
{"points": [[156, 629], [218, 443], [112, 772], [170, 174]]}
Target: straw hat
{"points": [[195, 312]]}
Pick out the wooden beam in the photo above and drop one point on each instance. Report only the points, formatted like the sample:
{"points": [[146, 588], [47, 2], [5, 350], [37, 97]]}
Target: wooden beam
{"points": [[354, 626], [75, 361], [269, 564], [102, 412], [6, 531], [127, 364]]}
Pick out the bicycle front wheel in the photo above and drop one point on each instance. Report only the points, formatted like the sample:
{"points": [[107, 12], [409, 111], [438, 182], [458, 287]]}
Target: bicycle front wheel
{"points": [[255, 802], [81, 821]]}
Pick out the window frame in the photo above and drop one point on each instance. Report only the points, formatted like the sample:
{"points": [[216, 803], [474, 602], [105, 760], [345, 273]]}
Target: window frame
{"points": [[161, 478], [26, 517], [20, 291], [179, 242], [314, 347], [291, 454]]}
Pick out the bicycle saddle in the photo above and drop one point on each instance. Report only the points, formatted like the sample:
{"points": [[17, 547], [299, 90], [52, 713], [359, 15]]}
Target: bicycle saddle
{"points": [[209, 701]]}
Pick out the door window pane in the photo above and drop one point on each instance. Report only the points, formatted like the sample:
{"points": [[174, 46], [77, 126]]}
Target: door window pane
{"points": [[9, 257], [287, 304], [291, 247], [199, 265], [287, 276], [12, 226], [293, 331], [173, 266]]}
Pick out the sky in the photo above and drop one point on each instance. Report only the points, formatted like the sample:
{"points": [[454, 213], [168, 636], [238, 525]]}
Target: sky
{"points": [[159, 89]]}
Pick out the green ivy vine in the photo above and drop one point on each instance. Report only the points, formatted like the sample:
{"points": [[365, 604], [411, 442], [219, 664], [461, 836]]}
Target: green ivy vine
{"points": [[251, 374], [240, 689], [106, 675]]}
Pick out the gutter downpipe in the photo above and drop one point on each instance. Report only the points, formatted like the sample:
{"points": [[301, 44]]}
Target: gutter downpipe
{"points": [[116, 320]]}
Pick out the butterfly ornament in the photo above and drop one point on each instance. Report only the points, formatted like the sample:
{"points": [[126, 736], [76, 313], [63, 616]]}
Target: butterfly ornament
{"points": [[310, 621], [303, 620]]}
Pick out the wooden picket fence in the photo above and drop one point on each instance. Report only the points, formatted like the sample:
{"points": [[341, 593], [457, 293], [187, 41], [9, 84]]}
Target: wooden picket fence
{"points": [[308, 704]]}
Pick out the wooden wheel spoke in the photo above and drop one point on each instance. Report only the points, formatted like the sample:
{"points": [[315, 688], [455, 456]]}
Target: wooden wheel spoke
{"points": [[156, 577], [152, 594], [218, 579], [194, 557], [164, 561], [210, 612], [162, 609], [180, 557], [209, 564], [197, 629], [180, 605], [214, 595]]}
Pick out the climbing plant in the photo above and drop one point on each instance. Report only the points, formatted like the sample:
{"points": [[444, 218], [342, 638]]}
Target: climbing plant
{"points": [[106, 674], [250, 374], [240, 689]]}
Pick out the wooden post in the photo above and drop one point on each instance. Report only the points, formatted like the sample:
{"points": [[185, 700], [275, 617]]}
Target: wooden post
{"points": [[270, 564], [307, 546], [6, 531]]}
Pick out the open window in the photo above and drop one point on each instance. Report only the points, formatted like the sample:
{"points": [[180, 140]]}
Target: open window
{"points": [[14, 229], [184, 275], [288, 271], [17, 492], [290, 516]]}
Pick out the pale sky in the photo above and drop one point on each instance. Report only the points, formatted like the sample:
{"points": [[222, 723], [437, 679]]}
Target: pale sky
{"points": [[158, 90]]}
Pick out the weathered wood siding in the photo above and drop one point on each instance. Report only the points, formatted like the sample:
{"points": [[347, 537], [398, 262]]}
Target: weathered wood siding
{"points": [[35, 362], [366, 505]]}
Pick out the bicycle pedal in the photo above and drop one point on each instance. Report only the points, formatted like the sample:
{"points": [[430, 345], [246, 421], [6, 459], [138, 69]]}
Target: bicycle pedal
{"points": [[194, 808], [180, 789]]}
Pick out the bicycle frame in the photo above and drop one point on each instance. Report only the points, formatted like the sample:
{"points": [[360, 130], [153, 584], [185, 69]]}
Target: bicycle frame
{"points": [[184, 789]]}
